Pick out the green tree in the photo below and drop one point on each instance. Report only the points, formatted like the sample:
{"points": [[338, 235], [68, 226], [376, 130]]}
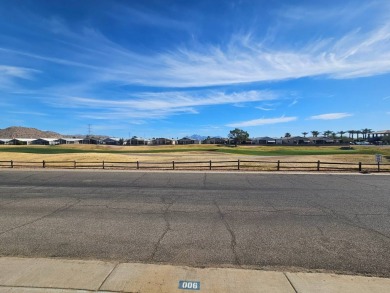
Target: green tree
{"points": [[305, 133], [357, 134], [327, 133], [341, 132], [287, 134], [365, 132], [238, 135], [315, 133]]}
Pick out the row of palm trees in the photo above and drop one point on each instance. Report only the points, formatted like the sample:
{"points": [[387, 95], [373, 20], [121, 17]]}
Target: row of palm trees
{"points": [[329, 133]]}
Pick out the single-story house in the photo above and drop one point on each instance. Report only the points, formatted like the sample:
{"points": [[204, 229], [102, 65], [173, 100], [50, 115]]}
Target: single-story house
{"points": [[138, 141], [112, 141], [263, 140], [321, 140], [22, 141], [163, 141], [46, 141], [215, 140], [296, 140], [92, 140], [381, 133], [5, 140], [65, 140], [187, 140]]}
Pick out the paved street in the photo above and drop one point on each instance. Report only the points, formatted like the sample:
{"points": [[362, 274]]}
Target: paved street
{"points": [[276, 221]]}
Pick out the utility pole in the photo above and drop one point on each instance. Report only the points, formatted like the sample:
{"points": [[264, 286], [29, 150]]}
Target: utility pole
{"points": [[89, 134]]}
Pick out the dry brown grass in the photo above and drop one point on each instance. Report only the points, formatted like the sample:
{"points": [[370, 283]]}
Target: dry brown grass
{"points": [[185, 155]]}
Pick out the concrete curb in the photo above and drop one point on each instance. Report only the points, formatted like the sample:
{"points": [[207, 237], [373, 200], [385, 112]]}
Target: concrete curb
{"points": [[69, 276]]}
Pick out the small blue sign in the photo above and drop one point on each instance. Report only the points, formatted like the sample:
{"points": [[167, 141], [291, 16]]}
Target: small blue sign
{"points": [[189, 285]]}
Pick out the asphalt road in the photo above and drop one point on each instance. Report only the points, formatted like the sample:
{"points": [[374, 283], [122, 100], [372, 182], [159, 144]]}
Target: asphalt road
{"points": [[326, 222]]}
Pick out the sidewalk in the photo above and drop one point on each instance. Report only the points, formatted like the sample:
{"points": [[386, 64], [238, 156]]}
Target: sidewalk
{"points": [[70, 276]]}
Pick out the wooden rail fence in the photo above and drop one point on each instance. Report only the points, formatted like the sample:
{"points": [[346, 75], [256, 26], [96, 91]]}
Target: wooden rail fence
{"points": [[248, 165]]}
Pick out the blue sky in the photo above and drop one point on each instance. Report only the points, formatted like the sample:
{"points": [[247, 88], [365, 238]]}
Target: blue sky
{"points": [[175, 68]]}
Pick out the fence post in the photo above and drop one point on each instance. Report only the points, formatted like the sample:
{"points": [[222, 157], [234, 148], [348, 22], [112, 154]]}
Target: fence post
{"points": [[379, 168], [238, 164], [210, 165], [318, 165], [12, 164], [103, 165], [173, 165], [360, 166], [74, 164], [137, 165], [278, 166], [43, 164]]}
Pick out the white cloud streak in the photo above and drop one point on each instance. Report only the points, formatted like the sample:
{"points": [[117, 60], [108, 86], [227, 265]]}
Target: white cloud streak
{"points": [[8, 75], [330, 116], [244, 59], [263, 121], [264, 109], [160, 105]]}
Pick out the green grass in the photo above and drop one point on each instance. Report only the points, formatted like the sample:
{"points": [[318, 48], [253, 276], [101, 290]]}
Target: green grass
{"points": [[254, 151]]}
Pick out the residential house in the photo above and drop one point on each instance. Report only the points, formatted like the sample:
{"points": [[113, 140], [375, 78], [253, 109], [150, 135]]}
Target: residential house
{"points": [[70, 140], [112, 141], [215, 140], [187, 140], [321, 140], [46, 141], [163, 141], [263, 140], [138, 141], [5, 140], [92, 140], [22, 141], [296, 140]]}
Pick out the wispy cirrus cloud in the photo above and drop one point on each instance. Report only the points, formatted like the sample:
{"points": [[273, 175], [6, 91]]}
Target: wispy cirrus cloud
{"points": [[244, 59], [28, 113], [19, 72], [9, 74], [330, 116], [264, 108], [262, 121], [159, 105]]}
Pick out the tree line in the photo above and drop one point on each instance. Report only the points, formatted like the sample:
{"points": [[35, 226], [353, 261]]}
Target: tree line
{"points": [[329, 133], [239, 135]]}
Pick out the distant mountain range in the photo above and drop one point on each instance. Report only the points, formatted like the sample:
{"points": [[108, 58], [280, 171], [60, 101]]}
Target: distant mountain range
{"points": [[25, 132], [197, 137]]}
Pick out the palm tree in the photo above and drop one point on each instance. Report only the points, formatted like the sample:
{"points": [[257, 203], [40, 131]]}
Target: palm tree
{"points": [[327, 133], [341, 133], [351, 133], [365, 132], [357, 134], [315, 133], [304, 134]]}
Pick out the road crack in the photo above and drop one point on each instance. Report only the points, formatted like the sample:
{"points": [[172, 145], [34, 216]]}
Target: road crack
{"points": [[60, 209], [167, 227], [349, 222], [233, 241]]}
